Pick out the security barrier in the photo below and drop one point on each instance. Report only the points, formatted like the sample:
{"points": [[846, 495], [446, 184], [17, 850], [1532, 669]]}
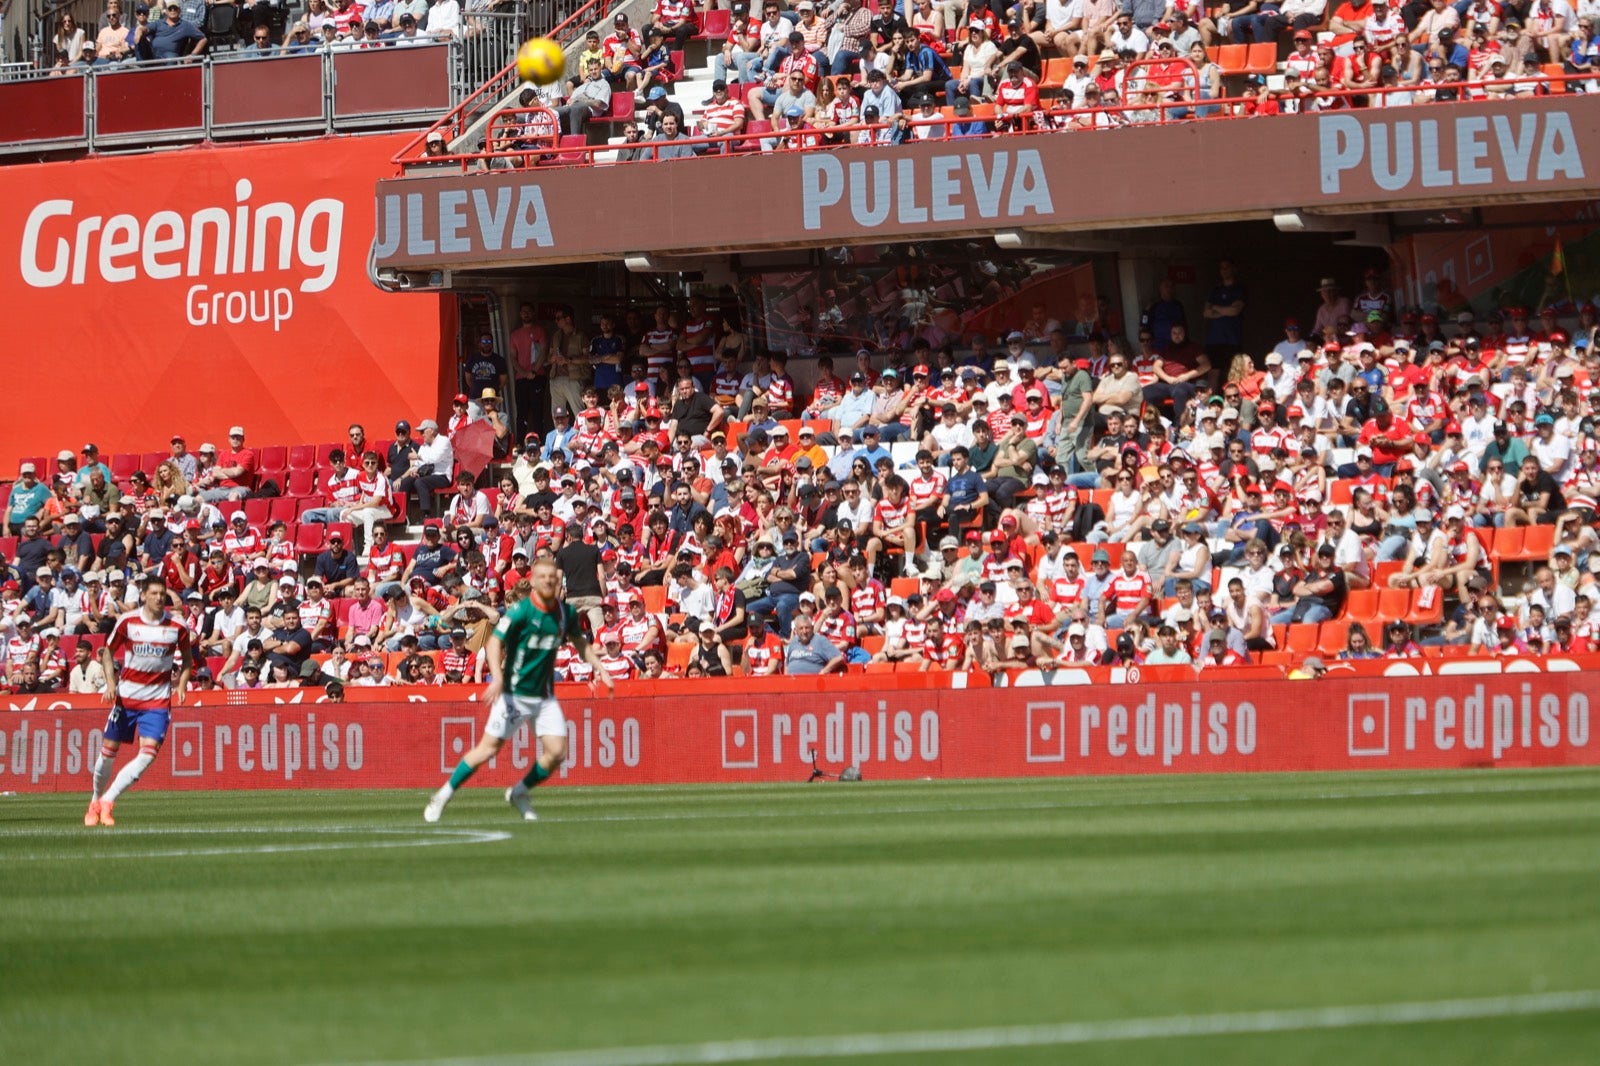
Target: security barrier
{"points": [[892, 727], [230, 95]]}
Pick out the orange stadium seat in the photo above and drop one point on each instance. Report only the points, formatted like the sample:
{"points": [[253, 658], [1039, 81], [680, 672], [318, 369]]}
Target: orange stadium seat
{"points": [[1233, 58], [1055, 73], [1361, 606], [1262, 58], [1537, 543], [1393, 604]]}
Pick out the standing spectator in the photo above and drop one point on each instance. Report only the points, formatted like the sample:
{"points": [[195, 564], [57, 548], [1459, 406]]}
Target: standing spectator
{"points": [[1224, 315], [530, 367]]}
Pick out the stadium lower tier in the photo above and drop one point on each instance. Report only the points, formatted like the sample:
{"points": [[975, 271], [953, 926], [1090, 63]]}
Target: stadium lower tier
{"points": [[1372, 715]]}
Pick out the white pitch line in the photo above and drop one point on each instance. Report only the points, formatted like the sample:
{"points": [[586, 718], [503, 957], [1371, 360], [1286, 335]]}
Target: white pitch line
{"points": [[414, 838], [990, 808], [1027, 1036]]}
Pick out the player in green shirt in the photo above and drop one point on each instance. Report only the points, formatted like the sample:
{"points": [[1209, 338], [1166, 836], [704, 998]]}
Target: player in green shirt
{"points": [[522, 669]]}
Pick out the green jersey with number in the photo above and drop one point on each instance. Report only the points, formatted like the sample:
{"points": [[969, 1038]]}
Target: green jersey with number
{"points": [[531, 638]]}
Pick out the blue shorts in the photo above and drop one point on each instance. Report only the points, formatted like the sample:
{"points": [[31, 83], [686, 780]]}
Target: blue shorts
{"points": [[122, 725]]}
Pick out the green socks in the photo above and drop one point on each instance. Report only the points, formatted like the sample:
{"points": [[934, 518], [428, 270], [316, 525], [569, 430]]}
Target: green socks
{"points": [[460, 775], [536, 776]]}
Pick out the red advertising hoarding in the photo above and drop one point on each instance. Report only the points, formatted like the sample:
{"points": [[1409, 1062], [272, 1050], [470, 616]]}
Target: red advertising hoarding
{"points": [[183, 292], [1358, 723]]}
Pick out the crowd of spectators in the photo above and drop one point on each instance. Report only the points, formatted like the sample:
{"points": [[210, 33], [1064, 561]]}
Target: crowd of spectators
{"points": [[812, 74], [1163, 497], [173, 31]]}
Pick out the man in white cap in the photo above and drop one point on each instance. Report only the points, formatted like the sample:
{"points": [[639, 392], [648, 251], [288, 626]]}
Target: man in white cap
{"points": [[27, 499], [234, 476], [430, 466]]}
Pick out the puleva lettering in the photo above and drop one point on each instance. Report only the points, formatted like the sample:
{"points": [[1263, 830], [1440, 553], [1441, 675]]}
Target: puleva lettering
{"points": [[1005, 184], [452, 222], [61, 248], [1449, 151]]}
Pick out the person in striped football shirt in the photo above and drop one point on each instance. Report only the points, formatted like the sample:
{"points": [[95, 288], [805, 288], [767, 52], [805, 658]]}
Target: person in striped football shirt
{"points": [[151, 643]]}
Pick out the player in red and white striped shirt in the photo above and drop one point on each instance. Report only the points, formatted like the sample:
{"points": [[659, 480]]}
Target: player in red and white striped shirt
{"points": [[150, 642]]}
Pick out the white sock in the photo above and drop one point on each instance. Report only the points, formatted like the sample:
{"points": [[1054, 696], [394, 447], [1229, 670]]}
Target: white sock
{"points": [[103, 765], [129, 775]]}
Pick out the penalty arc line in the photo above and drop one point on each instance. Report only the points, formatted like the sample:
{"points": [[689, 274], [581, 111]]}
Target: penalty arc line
{"points": [[414, 838], [1058, 1035]]}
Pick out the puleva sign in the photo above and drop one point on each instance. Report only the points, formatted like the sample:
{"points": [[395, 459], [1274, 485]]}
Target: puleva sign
{"points": [[1446, 151], [1534, 149]]}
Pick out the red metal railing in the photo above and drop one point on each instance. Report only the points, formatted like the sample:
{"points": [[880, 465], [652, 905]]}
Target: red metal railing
{"points": [[515, 123], [500, 84]]}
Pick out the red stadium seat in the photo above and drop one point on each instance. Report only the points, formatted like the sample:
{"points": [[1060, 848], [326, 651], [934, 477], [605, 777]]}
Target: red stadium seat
{"points": [[123, 464], [302, 457], [309, 539], [714, 25], [325, 450], [150, 460], [258, 511], [273, 460], [283, 509], [302, 483]]}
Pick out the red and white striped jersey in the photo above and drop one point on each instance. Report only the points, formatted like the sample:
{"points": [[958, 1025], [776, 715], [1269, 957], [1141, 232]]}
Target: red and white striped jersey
{"points": [[342, 490], [925, 491], [148, 651]]}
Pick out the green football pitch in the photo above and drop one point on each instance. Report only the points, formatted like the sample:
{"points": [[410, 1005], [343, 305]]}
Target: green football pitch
{"points": [[1381, 918]]}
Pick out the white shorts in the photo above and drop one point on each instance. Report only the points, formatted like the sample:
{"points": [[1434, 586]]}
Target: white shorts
{"points": [[510, 711]]}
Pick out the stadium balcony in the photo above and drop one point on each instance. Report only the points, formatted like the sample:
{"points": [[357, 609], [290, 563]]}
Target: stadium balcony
{"points": [[53, 108]]}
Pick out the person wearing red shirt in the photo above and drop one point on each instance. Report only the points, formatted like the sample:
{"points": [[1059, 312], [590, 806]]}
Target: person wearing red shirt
{"points": [[677, 20], [235, 473], [941, 650], [1129, 593], [1017, 97], [763, 651], [893, 521], [1180, 371], [1389, 438]]}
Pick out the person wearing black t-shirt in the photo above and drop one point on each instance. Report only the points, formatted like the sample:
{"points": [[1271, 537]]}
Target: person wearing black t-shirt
{"points": [[1539, 497], [580, 567]]}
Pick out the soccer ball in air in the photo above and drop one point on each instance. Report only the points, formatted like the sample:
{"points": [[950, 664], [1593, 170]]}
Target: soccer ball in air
{"points": [[541, 61]]}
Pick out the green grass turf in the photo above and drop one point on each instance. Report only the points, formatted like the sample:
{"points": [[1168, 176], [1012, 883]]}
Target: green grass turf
{"points": [[644, 916]]}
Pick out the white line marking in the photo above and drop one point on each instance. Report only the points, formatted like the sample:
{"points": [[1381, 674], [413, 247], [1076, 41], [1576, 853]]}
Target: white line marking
{"points": [[414, 838], [1023, 1036], [989, 808]]}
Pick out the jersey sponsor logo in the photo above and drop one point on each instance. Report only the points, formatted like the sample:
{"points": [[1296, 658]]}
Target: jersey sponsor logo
{"points": [[242, 240]]}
